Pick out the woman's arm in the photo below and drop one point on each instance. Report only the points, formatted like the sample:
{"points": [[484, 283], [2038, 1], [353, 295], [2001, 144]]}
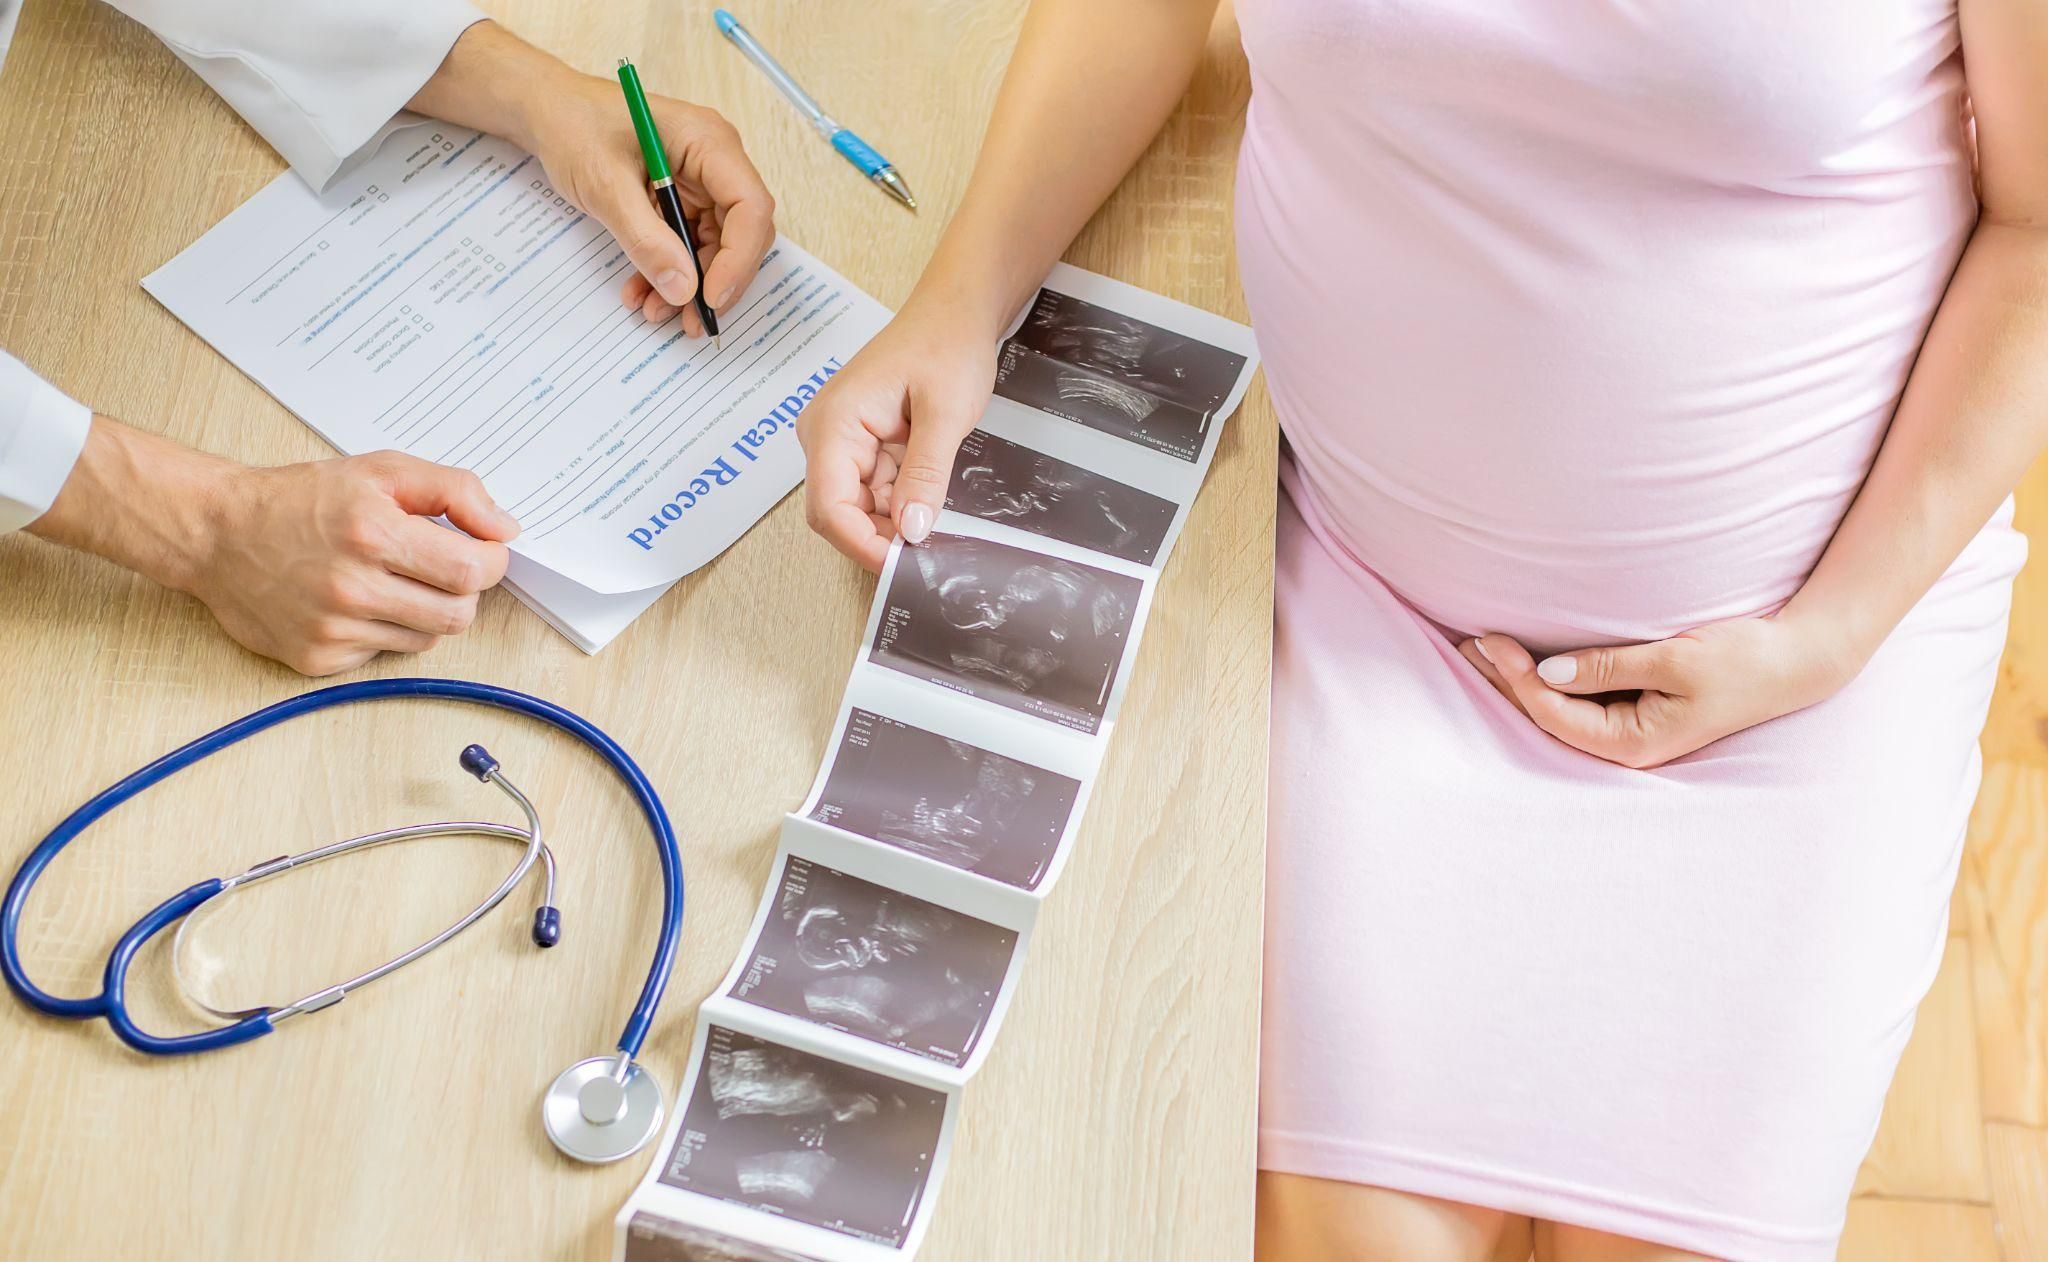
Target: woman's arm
{"points": [[1975, 411], [1973, 416], [1088, 86]]}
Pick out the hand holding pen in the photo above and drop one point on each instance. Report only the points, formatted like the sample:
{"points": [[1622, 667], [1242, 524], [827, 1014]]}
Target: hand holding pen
{"points": [[575, 124], [702, 286]]}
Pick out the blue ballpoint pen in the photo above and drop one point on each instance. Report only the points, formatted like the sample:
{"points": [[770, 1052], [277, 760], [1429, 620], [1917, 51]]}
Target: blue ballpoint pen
{"points": [[851, 147]]}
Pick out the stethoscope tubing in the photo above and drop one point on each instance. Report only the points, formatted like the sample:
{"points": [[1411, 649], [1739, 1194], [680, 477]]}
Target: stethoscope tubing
{"points": [[115, 985], [109, 1003]]}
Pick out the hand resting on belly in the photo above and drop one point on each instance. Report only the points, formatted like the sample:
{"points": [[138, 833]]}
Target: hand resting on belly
{"points": [[1677, 695]]}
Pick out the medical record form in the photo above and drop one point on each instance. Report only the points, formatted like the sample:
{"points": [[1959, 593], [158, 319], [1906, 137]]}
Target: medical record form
{"points": [[447, 301]]}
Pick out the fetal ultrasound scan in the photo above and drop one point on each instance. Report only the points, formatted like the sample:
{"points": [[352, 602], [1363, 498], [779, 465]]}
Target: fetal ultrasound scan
{"points": [[789, 1133], [1009, 626], [1119, 375], [652, 1238], [946, 800], [998, 480], [875, 962]]}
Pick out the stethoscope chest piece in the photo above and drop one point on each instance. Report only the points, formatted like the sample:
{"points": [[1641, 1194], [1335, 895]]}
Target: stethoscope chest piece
{"points": [[594, 1113]]}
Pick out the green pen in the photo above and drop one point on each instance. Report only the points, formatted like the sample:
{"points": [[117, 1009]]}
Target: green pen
{"points": [[665, 185]]}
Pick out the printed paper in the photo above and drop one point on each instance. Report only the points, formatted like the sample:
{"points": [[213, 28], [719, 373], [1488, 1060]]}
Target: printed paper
{"points": [[447, 301]]}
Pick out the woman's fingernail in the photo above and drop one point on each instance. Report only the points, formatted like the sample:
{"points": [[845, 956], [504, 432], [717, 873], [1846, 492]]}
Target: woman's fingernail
{"points": [[718, 304], [916, 522], [1558, 670], [674, 286], [510, 522], [1480, 645]]}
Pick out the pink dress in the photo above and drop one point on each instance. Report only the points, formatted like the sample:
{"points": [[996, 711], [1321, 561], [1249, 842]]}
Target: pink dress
{"points": [[1585, 321]]}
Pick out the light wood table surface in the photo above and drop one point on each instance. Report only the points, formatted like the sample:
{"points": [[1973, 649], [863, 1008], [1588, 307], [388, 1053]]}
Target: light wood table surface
{"points": [[1115, 1116]]}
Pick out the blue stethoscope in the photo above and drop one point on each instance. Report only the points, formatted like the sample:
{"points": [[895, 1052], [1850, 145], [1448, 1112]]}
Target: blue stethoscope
{"points": [[599, 1109]]}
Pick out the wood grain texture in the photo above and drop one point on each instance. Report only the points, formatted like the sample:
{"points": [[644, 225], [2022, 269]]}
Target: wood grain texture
{"points": [[2005, 863], [1115, 1116], [2019, 1189], [2004, 898], [1883, 1230]]}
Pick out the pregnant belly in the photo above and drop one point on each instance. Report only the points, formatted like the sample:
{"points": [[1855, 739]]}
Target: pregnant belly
{"points": [[1642, 580], [1612, 459], [1565, 512], [1600, 403]]}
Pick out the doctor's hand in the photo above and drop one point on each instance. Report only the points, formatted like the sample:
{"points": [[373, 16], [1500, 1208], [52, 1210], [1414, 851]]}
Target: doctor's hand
{"points": [[325, 565], [320, 565], [880, 438], [578, 126], [1642, 705]]}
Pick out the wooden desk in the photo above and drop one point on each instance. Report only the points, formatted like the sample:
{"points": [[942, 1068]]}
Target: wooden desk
{"points": [[1115, 1117]]}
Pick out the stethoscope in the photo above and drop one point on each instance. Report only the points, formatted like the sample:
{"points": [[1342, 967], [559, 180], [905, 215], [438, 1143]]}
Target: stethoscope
{"points": [[599, 1109]]}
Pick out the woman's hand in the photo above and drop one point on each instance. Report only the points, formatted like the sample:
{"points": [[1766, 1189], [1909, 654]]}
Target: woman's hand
{"points": [[1681, 694], [1088, 87], [578, 126], [880, 438]]}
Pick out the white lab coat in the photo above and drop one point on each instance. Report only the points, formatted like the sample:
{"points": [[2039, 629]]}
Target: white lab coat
{"points": [[10, 13], [322, 80]]}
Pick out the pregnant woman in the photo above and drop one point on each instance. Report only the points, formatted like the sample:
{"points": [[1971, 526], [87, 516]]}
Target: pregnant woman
{"points": [[1653, 377]]}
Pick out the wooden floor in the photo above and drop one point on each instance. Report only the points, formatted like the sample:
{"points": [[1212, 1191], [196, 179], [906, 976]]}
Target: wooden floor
{"points": [[1959, 1172]]}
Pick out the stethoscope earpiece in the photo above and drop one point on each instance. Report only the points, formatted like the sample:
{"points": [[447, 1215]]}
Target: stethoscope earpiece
{"points": [[547, 926]]}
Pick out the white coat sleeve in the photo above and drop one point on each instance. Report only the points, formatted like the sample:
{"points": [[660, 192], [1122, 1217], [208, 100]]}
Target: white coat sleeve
{"points": [[324, 81], [41, 433]]}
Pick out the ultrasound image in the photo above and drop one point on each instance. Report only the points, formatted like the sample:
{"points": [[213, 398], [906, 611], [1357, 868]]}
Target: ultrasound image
{"points": [[1009, 626], [998, 480], [946, 800], [790, 1133], [652, 1238], [1116, 374], [874, 962]]}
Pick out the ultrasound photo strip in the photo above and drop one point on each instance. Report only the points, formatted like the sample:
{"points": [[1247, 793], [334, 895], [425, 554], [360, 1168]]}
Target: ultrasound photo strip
{"points": [[1037, 630], [874, 964], [652, 1238], [825, 1075], [913, 781], [1078, 468], [794, 1150], [998, 480], [1160, 388], [974, 724]]}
